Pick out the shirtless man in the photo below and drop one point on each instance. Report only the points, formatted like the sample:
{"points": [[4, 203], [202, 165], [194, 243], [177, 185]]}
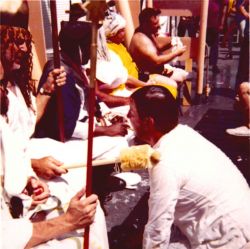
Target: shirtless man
{"points": [[147, 52]]}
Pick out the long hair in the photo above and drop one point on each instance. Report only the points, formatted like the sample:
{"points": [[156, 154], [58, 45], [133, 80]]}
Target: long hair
{"points": [[3, 101], [10, 39]]}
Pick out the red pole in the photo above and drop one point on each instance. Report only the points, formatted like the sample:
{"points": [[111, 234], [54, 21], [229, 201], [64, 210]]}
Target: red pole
{"points": [[96, 9], [93, 56], [60, 113]]}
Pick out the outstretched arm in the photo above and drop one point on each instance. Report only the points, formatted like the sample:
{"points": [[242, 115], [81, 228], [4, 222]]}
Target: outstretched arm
{"points": [[243, 10], [47, 167], [134, 83], [81, 212], [111, 101]]}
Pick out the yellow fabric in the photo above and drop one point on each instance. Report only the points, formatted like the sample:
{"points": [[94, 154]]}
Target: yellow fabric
{"points": [[172, 89], [125, 57], [231, 5], [130, 65], [119, 88]]}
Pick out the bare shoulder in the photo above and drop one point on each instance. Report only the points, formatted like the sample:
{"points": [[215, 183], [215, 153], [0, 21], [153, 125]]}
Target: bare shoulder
{"points": [[140, 39], [141, 43]]}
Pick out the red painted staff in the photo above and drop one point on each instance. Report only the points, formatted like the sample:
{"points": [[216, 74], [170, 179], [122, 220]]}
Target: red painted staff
{"points": [[60, 113], [96, 10]]}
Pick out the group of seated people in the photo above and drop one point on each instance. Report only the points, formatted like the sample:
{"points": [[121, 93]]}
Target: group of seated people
{"points": [[49, 202]]}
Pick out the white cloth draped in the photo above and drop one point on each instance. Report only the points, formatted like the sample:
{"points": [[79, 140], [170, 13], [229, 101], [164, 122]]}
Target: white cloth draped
{"points": [[15, 159]]}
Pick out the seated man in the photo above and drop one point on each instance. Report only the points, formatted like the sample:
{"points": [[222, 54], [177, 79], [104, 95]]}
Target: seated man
{"points": [[191, 186], [114, 27], [147, 52], [74, 95], [244, 105]]}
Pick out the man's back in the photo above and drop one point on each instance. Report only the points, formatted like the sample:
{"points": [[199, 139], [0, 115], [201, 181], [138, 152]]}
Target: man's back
{"points": [[200, 190]]}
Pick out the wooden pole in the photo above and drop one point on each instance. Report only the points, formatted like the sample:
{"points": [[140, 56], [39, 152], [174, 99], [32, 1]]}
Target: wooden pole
{"points": [[149, 3], [96, 12], [124, 8], [93, 56], [202, 45], [60, 112]]}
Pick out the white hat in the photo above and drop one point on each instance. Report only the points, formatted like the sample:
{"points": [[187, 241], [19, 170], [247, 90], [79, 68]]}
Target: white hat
{"points": [[113, 23]]}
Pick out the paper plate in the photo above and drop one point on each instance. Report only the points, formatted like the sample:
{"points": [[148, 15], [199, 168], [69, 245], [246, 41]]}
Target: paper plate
{"points": [[130, 178]]}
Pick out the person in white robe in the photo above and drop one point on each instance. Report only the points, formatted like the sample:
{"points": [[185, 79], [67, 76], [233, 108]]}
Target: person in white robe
{"points": [[194, 186], [20, 114]]}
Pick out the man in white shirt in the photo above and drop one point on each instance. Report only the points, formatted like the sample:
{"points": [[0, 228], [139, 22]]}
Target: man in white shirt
{"points": [[194, 186]]}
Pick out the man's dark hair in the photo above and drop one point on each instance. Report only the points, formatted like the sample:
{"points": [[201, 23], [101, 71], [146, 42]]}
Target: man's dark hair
{"points": [[157, 102], [146, 14]]}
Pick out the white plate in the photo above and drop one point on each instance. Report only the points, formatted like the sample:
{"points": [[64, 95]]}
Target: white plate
{"points": [[130, 178]]}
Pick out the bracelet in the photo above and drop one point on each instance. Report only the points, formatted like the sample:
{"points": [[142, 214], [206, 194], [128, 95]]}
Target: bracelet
{"points": [[42, 91]]}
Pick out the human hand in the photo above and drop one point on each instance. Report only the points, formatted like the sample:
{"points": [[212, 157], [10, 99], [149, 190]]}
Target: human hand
{"points": [[81, 211], [180, 50], [117, 129], [56, 77], [38, 191], [48, 167]]}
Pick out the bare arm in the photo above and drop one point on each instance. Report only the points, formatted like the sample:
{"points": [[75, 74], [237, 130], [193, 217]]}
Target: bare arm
{"points": [[80, 213], [134, 83], [41, 103], [243, 10], [164, 58], [47, 230], [119, 129], [55, 77], [163, 45], [47, 167], [111, 101], [223, 16], [146, 50]]}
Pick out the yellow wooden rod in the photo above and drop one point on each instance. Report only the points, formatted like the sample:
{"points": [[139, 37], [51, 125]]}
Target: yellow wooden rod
{"points": [[98, 162]]}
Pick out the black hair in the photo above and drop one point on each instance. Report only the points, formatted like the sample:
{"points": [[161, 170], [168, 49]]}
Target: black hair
{"points": [[146, 14], [157, 102]]}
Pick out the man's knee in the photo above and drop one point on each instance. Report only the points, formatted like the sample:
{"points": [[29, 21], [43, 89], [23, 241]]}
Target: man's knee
{"points": [[244, 88]]}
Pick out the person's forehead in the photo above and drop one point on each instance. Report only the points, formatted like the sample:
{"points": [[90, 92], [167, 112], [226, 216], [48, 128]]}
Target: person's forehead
{"points": [[132, 105], [154, 19]]}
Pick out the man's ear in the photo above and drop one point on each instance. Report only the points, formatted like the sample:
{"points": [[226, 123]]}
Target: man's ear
{"points": [[149, 122]]}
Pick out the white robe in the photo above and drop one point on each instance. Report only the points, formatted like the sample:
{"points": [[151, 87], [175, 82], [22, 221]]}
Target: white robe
{"points": [[17, 154]]}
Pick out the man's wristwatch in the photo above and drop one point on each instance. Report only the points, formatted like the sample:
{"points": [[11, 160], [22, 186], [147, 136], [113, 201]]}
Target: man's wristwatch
{"points": [[42, 91]]}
